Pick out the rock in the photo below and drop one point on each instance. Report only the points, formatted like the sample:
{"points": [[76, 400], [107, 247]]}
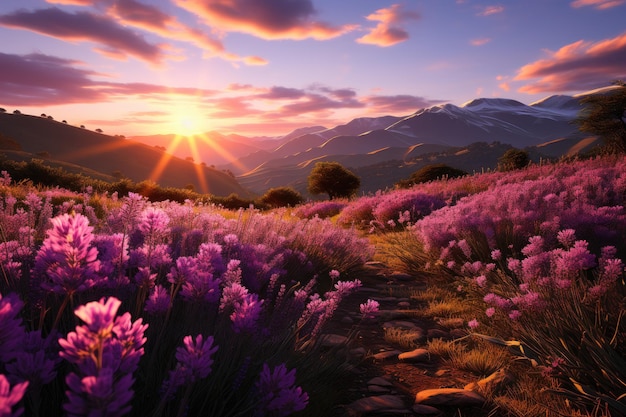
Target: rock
{"points": [[358, 352], [437, 334], [381, 356], [493, 383], [458, 333], [401, 276], [449, 397], [417, 355], [378, 404], [402, 324], [377, 389], [333, 340], [380, 381], [425, 410], [404, 304], [347, 320]]}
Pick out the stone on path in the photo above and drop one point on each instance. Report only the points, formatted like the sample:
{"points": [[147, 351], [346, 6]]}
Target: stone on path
{"points": [[425, 410], [417, 355], [493, 383], [378, 404], [380, 381], [333, 340], [381, 356], [449, 397]]}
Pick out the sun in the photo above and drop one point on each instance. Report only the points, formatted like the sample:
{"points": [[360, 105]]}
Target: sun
{"points": [[187, 122]]}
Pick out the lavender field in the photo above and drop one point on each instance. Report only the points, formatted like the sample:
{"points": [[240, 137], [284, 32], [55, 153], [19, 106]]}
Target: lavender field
{"points": [[119, 306]]}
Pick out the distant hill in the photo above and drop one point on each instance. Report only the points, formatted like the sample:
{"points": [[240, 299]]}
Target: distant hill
{"points": [[59, 143]]}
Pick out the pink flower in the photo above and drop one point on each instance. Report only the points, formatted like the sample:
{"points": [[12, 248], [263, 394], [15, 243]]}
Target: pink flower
{"points": [[490, 312], [515, 314], [473, 324], [9, 396], [369, 309], [481, 281]]}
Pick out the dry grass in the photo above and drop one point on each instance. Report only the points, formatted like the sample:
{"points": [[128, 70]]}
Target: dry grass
{"points": [[405, 338]]}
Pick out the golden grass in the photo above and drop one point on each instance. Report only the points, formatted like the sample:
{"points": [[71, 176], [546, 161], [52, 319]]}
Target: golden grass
{"points": [[405, 338]]}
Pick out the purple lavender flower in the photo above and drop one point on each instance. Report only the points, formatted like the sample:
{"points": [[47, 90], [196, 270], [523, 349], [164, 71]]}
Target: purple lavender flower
{"points": [[279, 395], [106, 352], [9, 396], [11, 330], [102, 394], [36, 361], [194, 363], [66, 258], [159, 301], [247, 313]]}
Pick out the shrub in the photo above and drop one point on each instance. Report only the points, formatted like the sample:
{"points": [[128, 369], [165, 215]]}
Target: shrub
{"points": [[281, 197], [431, 173]]}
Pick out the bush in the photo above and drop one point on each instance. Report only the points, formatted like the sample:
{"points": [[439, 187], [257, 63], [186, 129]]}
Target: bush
{"points": [[281, 197], [431, 173]]}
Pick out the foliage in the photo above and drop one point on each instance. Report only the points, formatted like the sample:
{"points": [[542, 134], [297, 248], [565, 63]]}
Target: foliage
{"points": [[322, 209], [513, 159], [165, 308], [429, 173], [333, 179], [605, 116], [281, 197]]}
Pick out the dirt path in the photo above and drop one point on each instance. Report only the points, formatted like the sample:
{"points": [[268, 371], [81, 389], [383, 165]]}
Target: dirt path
{"points": [[385, 384]]}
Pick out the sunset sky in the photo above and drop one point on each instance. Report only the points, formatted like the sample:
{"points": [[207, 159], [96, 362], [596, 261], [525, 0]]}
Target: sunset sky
{"points": [[266, 67]]}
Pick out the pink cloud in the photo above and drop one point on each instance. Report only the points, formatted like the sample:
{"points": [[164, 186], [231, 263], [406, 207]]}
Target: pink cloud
{"points": [[402, 103], [132, 13], [277, 19], [578, 66], [85, 27], [42, 80], [480, 41], [598, 4], [491, 10], [389, 30]]}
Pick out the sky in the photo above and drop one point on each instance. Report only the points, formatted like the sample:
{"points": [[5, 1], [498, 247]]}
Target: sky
{"points": [[267, 67]]}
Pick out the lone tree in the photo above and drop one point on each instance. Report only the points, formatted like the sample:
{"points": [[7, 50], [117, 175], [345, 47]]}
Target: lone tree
{"points": [[333, 179], [513, 159], [605, 116]]}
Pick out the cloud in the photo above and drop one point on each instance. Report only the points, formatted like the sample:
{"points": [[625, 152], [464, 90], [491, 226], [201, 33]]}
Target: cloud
{"points": [[389, 30], [44, 80], [491, 10], [132, 13], [276, 19], [598, 4], [113, 39], [401, 103], [480, 41], [578, 66]]}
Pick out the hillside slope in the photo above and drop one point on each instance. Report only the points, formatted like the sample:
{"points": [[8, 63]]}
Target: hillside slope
{"points": [[53, 140]]}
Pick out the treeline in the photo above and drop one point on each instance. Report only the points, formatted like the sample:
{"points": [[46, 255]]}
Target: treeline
{"points": [[38, 173]]}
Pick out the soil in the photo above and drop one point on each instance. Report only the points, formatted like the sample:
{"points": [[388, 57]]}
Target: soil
{"points": [[407, 378]]}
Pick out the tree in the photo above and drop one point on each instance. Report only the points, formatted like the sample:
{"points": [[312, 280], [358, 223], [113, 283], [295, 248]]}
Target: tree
{"points": [[513, 159], [333, 179], [604, 115], [429, 173], [281, 197]]}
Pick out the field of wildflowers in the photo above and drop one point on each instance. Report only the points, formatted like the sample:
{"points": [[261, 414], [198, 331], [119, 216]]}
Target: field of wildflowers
{"points": [[138, 308], [125, 307]]}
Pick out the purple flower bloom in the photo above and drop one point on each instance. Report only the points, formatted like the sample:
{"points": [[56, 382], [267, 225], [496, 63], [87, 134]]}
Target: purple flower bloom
{"points": [[279, 395], [106, 351], [66, 257], [102, 394], [11, 330], [36, 361], [9, 396], [159, 301], [247, 313], [194, 363]]}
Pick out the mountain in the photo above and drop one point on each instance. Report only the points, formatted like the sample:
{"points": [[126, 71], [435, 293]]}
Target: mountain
{"points": [[386, 149], [58, 143]]}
